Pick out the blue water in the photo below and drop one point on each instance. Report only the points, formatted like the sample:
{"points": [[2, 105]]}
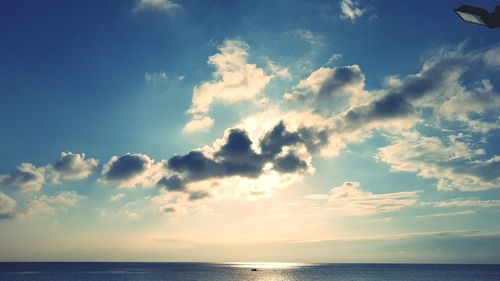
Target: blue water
{"points": [[242, 272]]}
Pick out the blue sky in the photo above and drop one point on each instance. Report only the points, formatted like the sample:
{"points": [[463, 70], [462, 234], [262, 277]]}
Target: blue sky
{"points": [[307, 131]]}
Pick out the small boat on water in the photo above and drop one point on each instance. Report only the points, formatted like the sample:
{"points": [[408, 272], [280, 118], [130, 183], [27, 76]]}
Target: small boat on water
{"points": [[253, 269]]}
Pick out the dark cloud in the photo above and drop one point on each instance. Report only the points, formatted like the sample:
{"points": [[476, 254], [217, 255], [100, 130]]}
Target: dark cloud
{"points": [[126, 166], [236, 157], [196, 166], [173, 183], [339, 79], [197, 195], [168, 210], [327, 83], [401, 99], [289, 163], [273, 142]]}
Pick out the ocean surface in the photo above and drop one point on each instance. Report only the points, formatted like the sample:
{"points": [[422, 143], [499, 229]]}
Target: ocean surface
{"points": [[54, 271]]}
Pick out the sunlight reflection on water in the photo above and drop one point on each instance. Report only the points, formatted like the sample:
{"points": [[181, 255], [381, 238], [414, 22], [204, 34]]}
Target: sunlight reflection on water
{"points": [[267, 265]]}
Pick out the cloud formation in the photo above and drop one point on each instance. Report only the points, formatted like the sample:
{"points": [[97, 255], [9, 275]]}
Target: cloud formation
{"points": [[48, 205], [330, 85], [234, 80], [454, 165], [161, 5], [7, 206], [351, 9], [130, 170], [74, 166], [25, 178], [236, 156], [351, 199]]}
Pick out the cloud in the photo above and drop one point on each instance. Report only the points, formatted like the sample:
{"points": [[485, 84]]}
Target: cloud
{"points": [[334, 58], [48, 205], [454, 165], [461, 203], [279, 158], [161, 5], [7, 207], [117, 197], [235, 80], [330, 85], [449, 214], [198, 123], [26, 178], [351, 199], [351, 9], [155, 76], [310, 37], [130, 170], [74, 166]]}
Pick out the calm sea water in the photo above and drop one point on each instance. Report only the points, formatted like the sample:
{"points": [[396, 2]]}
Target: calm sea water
{"points": [[242, 272]]}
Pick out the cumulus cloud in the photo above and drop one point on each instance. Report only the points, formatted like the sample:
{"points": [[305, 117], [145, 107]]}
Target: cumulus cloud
{"points": [[7, 206], [234, 80], [353, 200], [48, 205], [352, 9], [161, 5], [74, 166], [25, 178], [279, 154], [455, 165], [130, 170]]}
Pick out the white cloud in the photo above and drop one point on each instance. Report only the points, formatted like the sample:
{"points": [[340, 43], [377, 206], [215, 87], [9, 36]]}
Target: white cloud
{"points": [[198, 123], [74, 166], [26, 178], [334, 58], [449, 214], [48, 205], [116, 197], [351, 9], [460, 203], [235, 79], [7, 206], [351, 199], [162, 5], [454, 165]]}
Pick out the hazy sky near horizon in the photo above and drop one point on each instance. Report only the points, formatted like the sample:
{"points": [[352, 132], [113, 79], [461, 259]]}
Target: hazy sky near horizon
{"points": [[306, 131]]}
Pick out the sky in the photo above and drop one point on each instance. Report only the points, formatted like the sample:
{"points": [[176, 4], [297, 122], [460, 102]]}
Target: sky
{"points": [[290, 131]]}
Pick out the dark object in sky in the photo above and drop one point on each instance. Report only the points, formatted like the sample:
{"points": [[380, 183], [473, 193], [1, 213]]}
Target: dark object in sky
{"points": [[479, 16]]}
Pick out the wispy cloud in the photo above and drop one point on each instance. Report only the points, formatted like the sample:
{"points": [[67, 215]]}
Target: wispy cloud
{"points": [[161, 5], [351, 199], [48, 205], [448, 214]]}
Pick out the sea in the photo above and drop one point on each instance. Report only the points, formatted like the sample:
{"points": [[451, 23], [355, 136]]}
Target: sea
{"points": [[76, 271]]}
